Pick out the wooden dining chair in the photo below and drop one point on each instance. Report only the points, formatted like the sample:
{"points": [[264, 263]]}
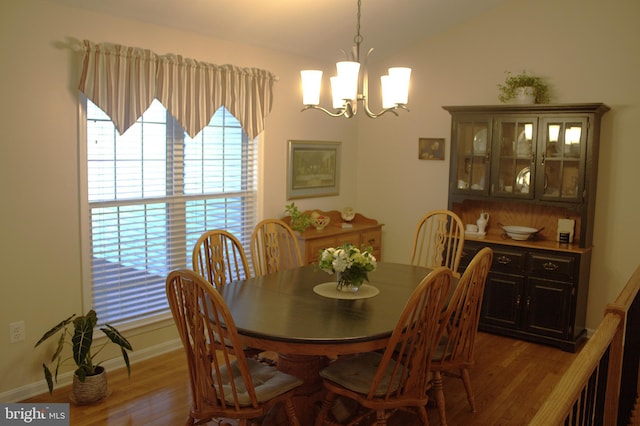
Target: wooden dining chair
{"points": [[438, 241], [218, 256], [399, 377], [454, 355], [224, 383], [274, 247]]}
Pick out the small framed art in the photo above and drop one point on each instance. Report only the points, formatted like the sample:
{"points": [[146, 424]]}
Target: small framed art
{"points": [[431, 148]]}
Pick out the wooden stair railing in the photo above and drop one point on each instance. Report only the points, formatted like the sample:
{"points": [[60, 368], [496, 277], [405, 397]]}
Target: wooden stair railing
{"points": [[635, 415], [601, 386], [630, 380]]}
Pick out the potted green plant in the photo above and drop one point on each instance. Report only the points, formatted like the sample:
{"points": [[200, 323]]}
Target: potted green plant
{"points": [[517, 87], [89, 382], [300, 221]]}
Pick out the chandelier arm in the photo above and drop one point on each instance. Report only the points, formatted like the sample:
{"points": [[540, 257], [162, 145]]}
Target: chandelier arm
{"points": [[384, 111], [393, 109], [340, 112]]}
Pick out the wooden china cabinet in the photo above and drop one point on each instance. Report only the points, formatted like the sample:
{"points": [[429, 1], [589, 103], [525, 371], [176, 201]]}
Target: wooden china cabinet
{"points": [[529, 165]]}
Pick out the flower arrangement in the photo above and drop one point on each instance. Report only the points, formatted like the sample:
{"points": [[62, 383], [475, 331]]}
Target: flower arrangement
{"points": [[350, 264]]}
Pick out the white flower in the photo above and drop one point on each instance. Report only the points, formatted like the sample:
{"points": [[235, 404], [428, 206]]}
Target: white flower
{"points": [[341, 263]]}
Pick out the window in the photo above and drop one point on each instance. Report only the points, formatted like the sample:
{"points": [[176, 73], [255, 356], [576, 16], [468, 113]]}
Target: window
{"points": [[151, 193]]}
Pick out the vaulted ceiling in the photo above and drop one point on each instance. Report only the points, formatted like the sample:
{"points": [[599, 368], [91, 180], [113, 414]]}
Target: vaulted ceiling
{"points": [[313, 28]]}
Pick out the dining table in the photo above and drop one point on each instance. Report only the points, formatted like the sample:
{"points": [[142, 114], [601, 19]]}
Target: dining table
{"points": [[300, 315]]}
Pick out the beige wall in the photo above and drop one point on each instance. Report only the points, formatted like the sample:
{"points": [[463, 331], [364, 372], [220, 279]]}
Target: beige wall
{"points": [[587, 49]]}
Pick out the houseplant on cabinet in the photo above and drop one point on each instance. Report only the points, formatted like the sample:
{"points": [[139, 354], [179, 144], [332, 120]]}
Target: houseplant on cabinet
{"points": [[300, 221], [89, 381], [516, 86]]}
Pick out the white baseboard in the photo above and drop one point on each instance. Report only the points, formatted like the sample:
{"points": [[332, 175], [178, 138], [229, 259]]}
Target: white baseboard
{"points": [[32, 389]]}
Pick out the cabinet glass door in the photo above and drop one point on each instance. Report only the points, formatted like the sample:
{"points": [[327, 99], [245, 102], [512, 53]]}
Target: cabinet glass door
{"points": [[514, 153], [472, 156], [561, 164]]}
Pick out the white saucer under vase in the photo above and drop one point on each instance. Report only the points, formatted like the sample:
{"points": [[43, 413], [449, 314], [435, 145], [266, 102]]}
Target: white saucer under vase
{"points": [[330, 290], [474, 234]]}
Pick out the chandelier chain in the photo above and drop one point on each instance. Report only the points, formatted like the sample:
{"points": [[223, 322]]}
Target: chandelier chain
{"points": [[357, 39]]}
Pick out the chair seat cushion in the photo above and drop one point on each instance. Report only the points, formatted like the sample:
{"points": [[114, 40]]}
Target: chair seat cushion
{"points": [[357, 372], [267, 381]]}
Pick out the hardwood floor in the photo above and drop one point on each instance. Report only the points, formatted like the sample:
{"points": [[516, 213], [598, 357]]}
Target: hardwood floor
{"points": [[510, 381]]}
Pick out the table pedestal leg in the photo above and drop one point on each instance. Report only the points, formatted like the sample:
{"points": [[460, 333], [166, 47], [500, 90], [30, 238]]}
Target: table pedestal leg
{"points": [[307, 368]]}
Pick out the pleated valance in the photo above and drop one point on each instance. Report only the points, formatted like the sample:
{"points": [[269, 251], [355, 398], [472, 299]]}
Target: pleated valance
{"points": [[123, 81]]}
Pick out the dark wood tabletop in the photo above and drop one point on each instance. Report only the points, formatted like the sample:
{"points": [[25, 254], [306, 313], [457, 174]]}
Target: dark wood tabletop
{"points": [[281, 311]]}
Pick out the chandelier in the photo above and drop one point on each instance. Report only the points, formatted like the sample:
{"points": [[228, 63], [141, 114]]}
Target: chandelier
{"points": [[345, 88]]}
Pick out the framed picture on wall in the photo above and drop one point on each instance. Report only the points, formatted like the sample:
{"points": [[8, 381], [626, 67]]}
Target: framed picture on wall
{"points": [[313, 169], [431, 148]]}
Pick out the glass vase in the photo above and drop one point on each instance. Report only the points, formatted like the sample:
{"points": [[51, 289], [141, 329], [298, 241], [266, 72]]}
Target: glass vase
{"points": [[347, 284]]}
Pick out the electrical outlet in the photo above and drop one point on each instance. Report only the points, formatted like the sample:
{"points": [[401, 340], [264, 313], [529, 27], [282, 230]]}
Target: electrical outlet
{"points": [[16, 332]]}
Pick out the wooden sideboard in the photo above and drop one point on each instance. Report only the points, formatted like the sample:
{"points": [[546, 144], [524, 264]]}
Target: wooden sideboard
{"points": [[361, 231]]}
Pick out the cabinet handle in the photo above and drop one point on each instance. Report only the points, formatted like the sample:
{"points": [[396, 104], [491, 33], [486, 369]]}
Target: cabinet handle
{"points": [[542, 160], [528, 302], [372, 240], [504, 260], [550, 266], [518, 301]]}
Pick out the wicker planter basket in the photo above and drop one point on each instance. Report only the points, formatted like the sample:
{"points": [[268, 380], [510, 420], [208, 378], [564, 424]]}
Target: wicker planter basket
{"points": [[93, 389]]}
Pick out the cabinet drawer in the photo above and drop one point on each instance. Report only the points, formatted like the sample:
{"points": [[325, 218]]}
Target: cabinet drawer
{"points": [[468, 253], [372, 238], [314, 247], [353, 239], [508, 261], [557, 267]]}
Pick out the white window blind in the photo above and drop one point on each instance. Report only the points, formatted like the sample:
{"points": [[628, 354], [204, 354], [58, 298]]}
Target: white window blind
{"points": [[151, 193]]}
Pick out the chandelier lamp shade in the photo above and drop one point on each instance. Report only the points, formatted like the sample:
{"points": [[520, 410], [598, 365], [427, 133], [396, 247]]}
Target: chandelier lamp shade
{"points": [[348, 87]]}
